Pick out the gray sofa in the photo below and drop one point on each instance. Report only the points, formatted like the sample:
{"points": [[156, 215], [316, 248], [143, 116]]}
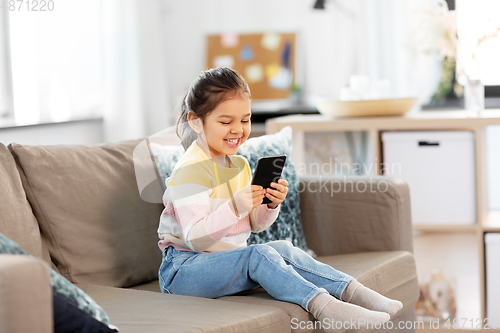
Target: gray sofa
{"points": [[77, 208]]}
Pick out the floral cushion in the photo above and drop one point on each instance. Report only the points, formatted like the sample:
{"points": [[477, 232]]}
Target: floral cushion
{"points": [[288, 225], [66, 292]]}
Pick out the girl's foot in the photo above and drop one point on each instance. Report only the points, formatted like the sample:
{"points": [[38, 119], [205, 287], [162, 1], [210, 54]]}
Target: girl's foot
{"points": [[338, 316], [358, 294]]}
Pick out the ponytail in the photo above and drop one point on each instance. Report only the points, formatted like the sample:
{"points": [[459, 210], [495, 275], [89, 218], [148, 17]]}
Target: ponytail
{"points": [[184, 131]]}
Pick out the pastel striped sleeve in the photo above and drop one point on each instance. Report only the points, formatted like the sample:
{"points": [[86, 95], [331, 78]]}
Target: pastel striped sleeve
{"points": [[262, 217], [187, 201]]}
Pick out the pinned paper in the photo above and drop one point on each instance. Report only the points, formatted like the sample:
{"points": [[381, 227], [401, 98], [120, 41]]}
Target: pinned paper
{"points": [[285, 54], [246, 53], [283, 80], [254, 73], [270, 41], [272, 70], [230, 40], [224, 61]]}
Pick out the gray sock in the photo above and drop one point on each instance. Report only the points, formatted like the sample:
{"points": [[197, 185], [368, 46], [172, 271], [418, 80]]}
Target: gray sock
{"points": [[326, 308], [358, 294]]}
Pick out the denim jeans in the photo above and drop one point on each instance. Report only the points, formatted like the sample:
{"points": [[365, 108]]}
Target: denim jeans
{"points": [[286, 272]]}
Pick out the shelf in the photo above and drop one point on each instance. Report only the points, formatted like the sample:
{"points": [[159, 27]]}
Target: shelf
{"points": [[492, 222], [429, 120], [446, 228]]}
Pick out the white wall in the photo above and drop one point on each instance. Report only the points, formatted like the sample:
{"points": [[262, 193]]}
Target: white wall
{"points": [[369, 37], [322, 66]]}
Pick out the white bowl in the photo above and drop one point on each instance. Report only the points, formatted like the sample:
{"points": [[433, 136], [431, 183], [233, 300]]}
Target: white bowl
{"points": [[365, 108]]}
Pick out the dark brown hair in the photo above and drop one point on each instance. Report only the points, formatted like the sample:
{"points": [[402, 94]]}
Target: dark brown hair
{"points": [[211, 88]]}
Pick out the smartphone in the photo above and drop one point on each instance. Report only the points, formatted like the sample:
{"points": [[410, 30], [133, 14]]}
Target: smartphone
{"points": [[268, 170]]}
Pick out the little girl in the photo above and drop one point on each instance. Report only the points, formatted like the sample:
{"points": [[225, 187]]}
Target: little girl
{"points": [[211, 209]]}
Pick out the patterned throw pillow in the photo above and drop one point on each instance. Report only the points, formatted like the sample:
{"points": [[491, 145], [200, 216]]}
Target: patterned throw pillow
{"points": [[65, 291], [288, 225], [165, 157]]}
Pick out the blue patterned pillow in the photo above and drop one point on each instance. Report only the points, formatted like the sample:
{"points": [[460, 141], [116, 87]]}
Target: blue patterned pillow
{"points": [[288, 225], [165, 157], [65, 291]]}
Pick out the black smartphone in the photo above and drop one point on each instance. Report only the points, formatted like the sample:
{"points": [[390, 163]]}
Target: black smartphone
{"points": [[268, 170]]}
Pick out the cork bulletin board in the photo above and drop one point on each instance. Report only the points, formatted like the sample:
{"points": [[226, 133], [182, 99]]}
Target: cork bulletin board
{"points": [[266, 61]]}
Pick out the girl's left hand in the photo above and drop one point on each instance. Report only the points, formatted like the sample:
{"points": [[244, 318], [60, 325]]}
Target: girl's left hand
{"points": [[278, 194]]}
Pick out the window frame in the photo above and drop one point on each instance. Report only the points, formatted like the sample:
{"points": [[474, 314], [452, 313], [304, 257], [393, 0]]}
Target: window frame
{"points": [[6, 85], [13, 116]]}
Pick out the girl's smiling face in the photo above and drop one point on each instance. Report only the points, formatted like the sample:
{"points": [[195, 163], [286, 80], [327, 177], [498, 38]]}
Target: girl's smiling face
{"points": [[228, 125]]}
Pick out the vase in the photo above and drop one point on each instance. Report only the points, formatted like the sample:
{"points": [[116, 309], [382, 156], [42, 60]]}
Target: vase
{"points": [[474, 97]]}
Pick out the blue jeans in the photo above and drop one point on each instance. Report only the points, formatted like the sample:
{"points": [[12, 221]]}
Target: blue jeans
{"points": [[286, 272]]}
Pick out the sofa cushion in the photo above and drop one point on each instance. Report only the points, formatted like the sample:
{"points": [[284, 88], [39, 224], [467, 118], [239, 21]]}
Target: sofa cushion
{"points": [[150, 286], [342, 215], [148, 312], [17, 221], [86, 200], [259, 297], [392, 274]]}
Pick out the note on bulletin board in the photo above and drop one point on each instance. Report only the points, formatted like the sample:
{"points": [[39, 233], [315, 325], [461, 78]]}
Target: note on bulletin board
{"points": [[266, 60]]}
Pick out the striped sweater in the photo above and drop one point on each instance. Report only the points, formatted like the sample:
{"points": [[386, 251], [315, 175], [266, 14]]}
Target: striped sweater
{"points": [[197, 216]]}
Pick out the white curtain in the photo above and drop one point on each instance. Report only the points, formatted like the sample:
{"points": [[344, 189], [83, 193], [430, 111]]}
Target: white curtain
{"points": [[135, 89], [388, 52]]}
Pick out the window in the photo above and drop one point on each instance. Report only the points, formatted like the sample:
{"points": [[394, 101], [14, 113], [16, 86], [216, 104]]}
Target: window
{"points": [[53, 61], [476, 19], [5, 83]]}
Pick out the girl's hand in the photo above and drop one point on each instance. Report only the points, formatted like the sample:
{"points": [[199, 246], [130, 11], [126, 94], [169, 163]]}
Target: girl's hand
{"points": [[247, 198], [278, 195]]}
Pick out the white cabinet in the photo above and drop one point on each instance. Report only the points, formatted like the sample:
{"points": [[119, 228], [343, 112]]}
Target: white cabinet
{"points": [[492, 242], [439, 168]]}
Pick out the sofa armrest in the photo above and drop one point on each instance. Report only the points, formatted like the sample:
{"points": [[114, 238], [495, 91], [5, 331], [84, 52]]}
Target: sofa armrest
{"points": [[25, 295], [349, 214]]}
